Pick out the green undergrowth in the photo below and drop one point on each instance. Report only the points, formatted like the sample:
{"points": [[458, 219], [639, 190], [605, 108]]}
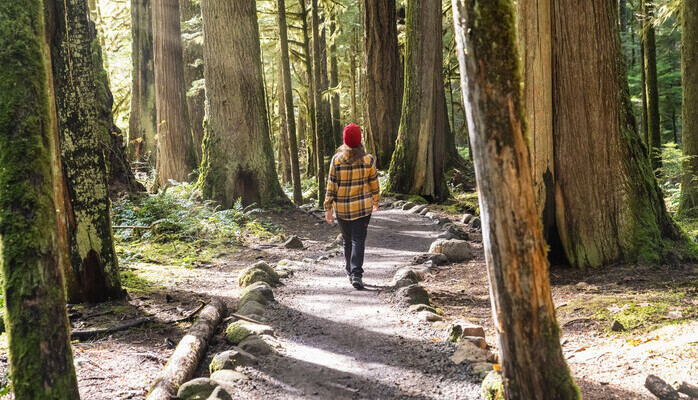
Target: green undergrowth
{"points": [[638, 312], [179, 229]]}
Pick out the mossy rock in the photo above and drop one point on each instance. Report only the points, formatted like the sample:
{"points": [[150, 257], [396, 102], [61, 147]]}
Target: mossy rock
{"points": [[264, 266], [455, 332], [251, 308], [261, 287], [423, 307], [196, 389], [231, 359], [492, 386], [417, 200], [255, 296], [236, 332], [253, 275]]}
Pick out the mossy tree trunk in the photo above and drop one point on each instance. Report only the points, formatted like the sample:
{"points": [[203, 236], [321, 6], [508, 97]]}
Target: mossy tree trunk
{"points": [[41, 361], [381, 63], [337, 131], [654, 142], [193, 53], [325, 99], [238, 160], [282, 145], [142, 120], [84, 127], [689, 83], [417, 165], [322, 124], [286, 102], [308, 62], [528, 334], [176, 157]]}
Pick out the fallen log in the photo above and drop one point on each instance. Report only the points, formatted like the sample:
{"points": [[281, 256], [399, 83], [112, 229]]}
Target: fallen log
{"points": [[689, 390], [661, 389], [90, 333], [186, 357]]}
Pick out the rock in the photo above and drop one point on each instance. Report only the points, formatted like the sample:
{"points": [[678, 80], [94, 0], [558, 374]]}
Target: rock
{"points": [[255, 345], [339, 240], [476, 340], [264, 266], [236, 332], [252, 275], [255, 295], [446, 236], [466, 218], [457, 232], [230, 359], [468, 352], [227, 377], [196, 389], [322, 258], [429, 316], [492, 386], [417, 209], [475, 223], [431, 215], [251, 308], [257, 329], [617, 326], [425, 211], [454, 250], [662, 390], [408, 206], [261, 288], [220, 394], [403, 283], [406, 274], [482, 369], [437, 258], [459, 329], [294, 242], [423, 307], [284, 273], [413, 294], [399, 204]]}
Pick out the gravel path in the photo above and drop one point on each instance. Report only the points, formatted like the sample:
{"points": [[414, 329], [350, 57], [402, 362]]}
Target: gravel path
{"points": [[334, 342]]}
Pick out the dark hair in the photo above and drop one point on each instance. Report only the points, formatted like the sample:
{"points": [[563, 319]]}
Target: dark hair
{"points": [[352, 154]]}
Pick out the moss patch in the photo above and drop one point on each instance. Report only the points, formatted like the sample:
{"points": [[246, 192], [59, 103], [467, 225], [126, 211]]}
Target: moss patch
{"points": [[236, 333]]}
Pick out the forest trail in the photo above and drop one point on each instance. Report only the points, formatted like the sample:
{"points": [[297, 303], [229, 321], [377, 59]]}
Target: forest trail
{"points": [[335, 342]]}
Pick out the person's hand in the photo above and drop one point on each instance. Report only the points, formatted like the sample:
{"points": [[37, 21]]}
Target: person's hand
{"points": [[375, 207], [329, 217]]}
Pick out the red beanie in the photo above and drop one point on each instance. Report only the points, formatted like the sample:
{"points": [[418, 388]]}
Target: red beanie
{"points": [[352, 135]]}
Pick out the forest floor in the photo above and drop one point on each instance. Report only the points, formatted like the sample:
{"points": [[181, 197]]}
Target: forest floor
{"points": [[333, 342]]}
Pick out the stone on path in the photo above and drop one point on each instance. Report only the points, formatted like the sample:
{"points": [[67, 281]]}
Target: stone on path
{"points": [[423, 307], [255, 345], [258, 272], [413, 294], [466, 218], [230, 359], [468, 352], [425, 211], [459, 329], [227, 377], [220, 394], [408, 206], [418, 209], [294, 242], [236, 332], [405, 274], [429, 316], [482, 369], [196, 389], [475, 223], [476, 340], [437, 258], [455, 250], [251, 309]]}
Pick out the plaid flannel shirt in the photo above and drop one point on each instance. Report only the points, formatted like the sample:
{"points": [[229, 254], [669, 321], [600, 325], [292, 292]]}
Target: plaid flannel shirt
{"points": [[352, 188]]}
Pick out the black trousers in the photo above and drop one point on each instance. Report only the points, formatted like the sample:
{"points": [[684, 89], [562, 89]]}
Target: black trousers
{"points": [[354, 235]]}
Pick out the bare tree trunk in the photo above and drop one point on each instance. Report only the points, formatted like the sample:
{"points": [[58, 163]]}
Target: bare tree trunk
{"points": [[193, 55], [650, 47], [321, 123], [238, 160], [382, 65], [352, 77], [176, 157], [287, 102], [418, 162], [337, 138], [309, 138], [40, 357], [534, 367], [689, 83], [84, 132], [142, 120]]}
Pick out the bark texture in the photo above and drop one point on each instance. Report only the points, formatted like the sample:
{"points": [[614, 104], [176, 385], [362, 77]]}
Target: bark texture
{"points": [[193, 53], [176, 157], [337, 131], [142, 120], [40, 357], [382, 65], [417, 165], [689, 83], [322, 124], [308, 62], [654, 142], [84, 129], [528, 335], [238, 160], [287, 110]]}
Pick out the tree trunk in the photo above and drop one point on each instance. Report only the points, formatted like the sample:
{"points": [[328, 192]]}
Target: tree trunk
{"points": [[310, 138], [40, 357], [609, 207], [142, 121], [528, 335], [193, 53], [287, 103], [382, 66], [623, 15], [284, 157], [84, 129], [322, 125], [535, 44], [337, 137], [650, 48], [238, 160], [418, 162], [644, 126], [176, 157], [325, 99], [352, 78], [688, 205]]}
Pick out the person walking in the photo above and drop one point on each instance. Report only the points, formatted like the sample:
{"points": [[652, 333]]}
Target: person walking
{"points": [[354, 193]]}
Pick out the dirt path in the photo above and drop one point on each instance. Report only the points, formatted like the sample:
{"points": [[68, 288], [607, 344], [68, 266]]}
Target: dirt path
{"points": [[334, 342]]}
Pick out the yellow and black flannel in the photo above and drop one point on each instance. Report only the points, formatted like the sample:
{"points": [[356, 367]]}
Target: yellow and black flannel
{"points": [[352, 188]]}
